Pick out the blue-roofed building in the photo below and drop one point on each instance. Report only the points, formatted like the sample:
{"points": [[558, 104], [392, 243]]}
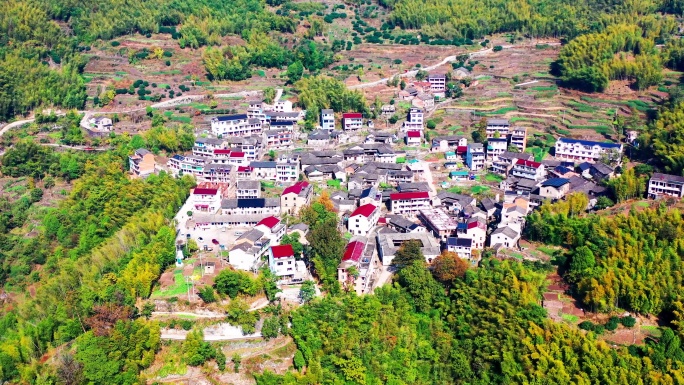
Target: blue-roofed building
{"points": [[459, 175], [576, 150], [461, 246], [235, 125], [554, 188]]}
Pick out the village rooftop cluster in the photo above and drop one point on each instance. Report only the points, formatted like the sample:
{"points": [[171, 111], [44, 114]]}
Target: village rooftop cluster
{"points": [[384, 194]]}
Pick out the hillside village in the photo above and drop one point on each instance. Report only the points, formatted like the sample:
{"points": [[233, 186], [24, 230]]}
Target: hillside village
{"points": [[384, 185]]}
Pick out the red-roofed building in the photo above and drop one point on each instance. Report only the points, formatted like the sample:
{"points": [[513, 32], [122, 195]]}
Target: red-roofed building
{"points": [[206, 200], [295, 197], [222, 151], [282, 261], [244, 172], [529, 170], [269, 222], [410, 203], [272, 228], [352, 121], [366, 269], [363, 219], [414, 137]]}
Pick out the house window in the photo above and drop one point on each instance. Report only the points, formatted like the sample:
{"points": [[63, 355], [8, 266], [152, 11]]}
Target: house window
{"points": [[279, 263]]}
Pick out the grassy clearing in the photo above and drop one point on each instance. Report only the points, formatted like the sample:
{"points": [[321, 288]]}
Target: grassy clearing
{"points": [[178, 288], [500, 111], [538, 152], [182, 119], [652, 330], [544, 88], [637, 104], [587, 127], [570, 318], [479, 189], [173, 361], [582, 107], [491, 177], [170, 72], [547, 250]]}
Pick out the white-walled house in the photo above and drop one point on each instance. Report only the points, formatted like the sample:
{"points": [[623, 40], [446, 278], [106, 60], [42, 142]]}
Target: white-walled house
{"points": [[363, 219], [281, 260], [585, 150], [409, 203], [207, 200], [504, 236]]}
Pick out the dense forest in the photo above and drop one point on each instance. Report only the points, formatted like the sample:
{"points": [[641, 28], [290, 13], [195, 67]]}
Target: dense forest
{"points": [[94, 255], [489, 329], [630, 261], [535, 18]]}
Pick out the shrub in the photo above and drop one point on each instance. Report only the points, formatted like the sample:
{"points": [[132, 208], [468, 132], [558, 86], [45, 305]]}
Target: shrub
{"points": [[599, 329], [115, 43], [186, 324], [586, 325], [207, 294], [397, 61], [497, 48], [168, 63], [168, 54], [612, 323], [628, 321], [431, 124]]}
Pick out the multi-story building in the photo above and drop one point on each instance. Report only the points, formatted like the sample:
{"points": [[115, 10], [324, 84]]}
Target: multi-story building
{"points": [[352, 121], [518, 138], [273, 228], [253, 206], [276, 116], [355, 255], [448, 142], [248, 189], [295, 197], [506, 160], [554, 188], [282, 106], [504, 237], [278, 138], [475, 156], [437, 82], [576, 150], [363, 219], [474, 229], [500, 126], [248, 249], [409, 203], [141, 163], [206, 200], [528, 169], [414, 120], [439, 222], [414, 138], [255, 110], [262, 170], [496, 147], [463, 247], [250, 145], [281, 260], [215, 173], [180, 165], [665, 185], [287, 168], [235, 125], [328, 119]]}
